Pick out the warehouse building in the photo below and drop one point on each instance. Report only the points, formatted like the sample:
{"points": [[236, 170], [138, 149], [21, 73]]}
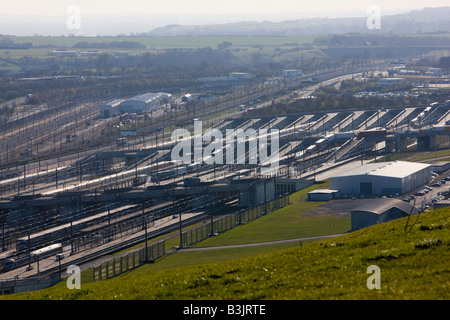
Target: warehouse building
{"points": [[144, 102], [380, 210], [386, 178]]}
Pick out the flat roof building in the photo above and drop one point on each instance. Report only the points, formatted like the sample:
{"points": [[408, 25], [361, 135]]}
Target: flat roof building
{"points": [[322, 195], [380, 210], [385, 178]]}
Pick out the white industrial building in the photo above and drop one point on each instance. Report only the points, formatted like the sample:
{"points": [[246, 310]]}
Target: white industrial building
{"points": [[386, 178], [144, 102], [141, 103]]}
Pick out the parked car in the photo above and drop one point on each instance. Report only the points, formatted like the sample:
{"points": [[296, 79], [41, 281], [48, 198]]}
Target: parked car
{"points": [[437, 184]]}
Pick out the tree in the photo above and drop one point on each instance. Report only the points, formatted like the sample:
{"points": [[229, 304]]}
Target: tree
{"points": [[444, 63], [224, 45], [102, 62], [146, 60]]}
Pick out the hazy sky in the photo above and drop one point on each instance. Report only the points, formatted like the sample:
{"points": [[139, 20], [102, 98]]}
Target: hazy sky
{"points": [[128, 7], [49, 17]]}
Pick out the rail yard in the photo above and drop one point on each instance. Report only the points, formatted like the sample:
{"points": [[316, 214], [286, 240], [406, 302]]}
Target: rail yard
{"points": [[73, 188]]}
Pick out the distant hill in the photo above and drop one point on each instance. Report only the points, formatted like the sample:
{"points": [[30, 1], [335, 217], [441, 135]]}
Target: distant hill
{"points": [[427, 20]]}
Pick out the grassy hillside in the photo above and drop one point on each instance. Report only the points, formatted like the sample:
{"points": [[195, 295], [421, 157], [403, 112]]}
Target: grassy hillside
{"points": [[413, 265]]}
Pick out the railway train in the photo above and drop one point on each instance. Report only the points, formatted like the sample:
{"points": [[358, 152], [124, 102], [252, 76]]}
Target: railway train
{"points": [[13, 261], [323, 141], [140, 180], [5, 259], [372, 133], [168, 174], [377, 132], [177, 172], [417, 121], [339, 135]]}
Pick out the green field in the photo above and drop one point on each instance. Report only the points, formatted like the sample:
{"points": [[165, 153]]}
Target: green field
{"points": [[413, 265], [440, 155], [412, 256], [241, 47]]}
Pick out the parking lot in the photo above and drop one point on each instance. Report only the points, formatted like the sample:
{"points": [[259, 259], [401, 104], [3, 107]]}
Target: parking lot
{"points": [[424, 197]]}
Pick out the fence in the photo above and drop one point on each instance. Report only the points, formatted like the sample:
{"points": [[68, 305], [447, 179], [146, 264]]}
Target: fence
{"points": [[129, 261], [155, 251], [228, 222]]}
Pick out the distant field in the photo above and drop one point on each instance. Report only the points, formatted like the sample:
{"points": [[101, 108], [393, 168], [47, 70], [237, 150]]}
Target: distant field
{"points": [[241, 47], [172, 42]]}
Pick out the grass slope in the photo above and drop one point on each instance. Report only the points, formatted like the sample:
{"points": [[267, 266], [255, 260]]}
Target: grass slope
{"points": [[413, 265]]}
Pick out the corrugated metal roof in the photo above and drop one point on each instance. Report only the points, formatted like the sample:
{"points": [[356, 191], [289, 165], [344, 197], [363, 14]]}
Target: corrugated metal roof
{"points": [[396, 169], [148, 97], [380, 205]]}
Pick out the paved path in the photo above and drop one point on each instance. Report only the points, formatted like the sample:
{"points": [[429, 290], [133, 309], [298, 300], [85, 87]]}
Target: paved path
{"points": [[264, 243]]}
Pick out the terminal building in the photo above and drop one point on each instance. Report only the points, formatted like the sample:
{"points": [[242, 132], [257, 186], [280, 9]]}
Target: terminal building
{"points": [[386, 178]]}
